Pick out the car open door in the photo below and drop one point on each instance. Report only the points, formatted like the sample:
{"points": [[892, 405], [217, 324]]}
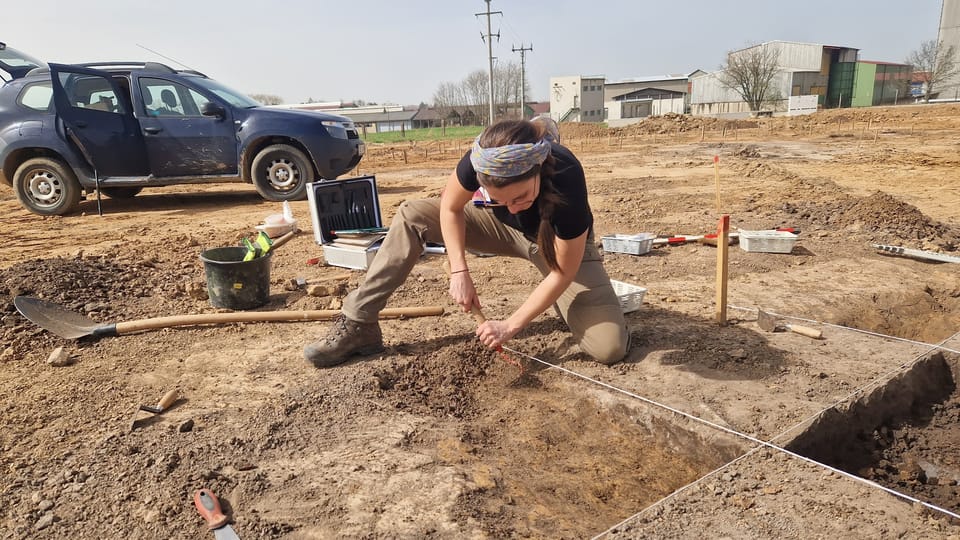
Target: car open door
{"points": [[97, 116]]}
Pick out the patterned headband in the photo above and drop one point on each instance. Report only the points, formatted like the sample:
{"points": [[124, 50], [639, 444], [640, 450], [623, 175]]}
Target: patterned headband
{"points": [[509, 160]]}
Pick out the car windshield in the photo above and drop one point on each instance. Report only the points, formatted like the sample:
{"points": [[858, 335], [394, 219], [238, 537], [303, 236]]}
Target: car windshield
{"points": [[230, 95], [15, 64]]}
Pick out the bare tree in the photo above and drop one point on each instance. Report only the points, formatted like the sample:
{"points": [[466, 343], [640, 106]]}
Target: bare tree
{"points": [[751, 73], [267, 99], [473, 92], [934, 63], [476, 89], [447, 98]]}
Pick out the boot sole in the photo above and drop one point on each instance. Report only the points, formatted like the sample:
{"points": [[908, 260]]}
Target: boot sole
{"points": [[330, 362], [372, 349]]}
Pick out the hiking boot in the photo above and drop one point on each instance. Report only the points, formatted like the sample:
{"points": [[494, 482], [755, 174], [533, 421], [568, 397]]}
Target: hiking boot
{"points": [[346, 338]]}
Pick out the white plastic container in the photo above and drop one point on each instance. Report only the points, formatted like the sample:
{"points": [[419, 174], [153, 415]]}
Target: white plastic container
{"points": [[634, 244], [767, 241], [631, 296], [277, 225]]}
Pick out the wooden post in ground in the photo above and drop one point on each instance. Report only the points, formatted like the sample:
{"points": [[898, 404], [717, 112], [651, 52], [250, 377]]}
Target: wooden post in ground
{"points": [[723, 236]]}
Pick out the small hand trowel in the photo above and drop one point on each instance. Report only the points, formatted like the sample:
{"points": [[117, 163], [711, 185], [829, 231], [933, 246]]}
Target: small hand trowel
{"points": [[209, 507], [165, 402], [768, 322]]}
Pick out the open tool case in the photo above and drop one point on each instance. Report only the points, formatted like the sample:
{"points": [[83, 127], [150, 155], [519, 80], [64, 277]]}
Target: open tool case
{"points": [[344, 205]]}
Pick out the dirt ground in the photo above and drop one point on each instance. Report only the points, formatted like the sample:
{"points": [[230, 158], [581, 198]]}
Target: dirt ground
{"points": [[440, 438]]}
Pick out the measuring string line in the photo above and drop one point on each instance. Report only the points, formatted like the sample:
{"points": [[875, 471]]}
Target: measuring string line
{"points": [[741, 435], [841, 327], [756, 448], [884, 378]]}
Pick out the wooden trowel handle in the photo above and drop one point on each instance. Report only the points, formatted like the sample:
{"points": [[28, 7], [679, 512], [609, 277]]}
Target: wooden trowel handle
{"points": [[804, 330], [477, 314], [262, 316], [167, 400]]}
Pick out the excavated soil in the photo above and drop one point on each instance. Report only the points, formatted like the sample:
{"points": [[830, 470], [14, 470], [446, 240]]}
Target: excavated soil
{"points": [[437, 437]]}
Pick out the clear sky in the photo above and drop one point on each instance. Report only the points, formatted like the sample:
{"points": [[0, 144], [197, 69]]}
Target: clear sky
{"points": [[393, 51]]}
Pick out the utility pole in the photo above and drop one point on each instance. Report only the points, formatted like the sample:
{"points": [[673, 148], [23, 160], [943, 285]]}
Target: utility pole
{"points": [[489, 39], [523, 78]]}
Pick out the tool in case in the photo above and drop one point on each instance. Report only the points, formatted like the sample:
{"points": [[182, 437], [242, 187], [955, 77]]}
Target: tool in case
{"points": [[348, 204]]}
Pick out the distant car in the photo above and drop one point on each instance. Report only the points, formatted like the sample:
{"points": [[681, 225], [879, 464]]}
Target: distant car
{"points": [[67, 130]]}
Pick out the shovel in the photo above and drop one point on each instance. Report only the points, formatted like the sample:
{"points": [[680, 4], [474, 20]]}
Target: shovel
{"points": [[768, 322], [70, 325]]}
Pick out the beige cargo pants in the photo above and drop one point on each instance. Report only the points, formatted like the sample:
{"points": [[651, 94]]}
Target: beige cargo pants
{"points": [[589, 306]]}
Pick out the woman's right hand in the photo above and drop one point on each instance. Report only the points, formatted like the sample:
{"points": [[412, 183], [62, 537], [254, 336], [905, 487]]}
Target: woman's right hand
{"points": [[463, 291]]}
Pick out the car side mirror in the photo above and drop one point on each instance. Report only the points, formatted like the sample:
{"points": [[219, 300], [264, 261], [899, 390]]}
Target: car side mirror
{"points": [[212, 109]]}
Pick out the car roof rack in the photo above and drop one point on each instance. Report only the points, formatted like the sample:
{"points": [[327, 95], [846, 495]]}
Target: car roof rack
{"points": [[152, 66]]}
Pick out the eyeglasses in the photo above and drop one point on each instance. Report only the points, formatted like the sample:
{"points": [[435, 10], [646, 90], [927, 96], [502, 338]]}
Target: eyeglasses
{"points": [[493, 204]]}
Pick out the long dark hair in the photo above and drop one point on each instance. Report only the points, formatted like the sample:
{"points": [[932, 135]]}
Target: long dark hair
{"points": [[523, 132]]}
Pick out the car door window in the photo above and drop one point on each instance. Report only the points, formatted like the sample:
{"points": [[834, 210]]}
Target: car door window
{"points": [[169, 99], [90, 92]]}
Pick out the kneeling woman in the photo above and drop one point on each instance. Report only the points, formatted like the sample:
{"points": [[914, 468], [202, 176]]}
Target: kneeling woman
{"points": [[540, 213]]}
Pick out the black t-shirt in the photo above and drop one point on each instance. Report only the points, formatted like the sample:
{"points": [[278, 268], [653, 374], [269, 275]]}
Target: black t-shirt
{"points": [[570, 218]]}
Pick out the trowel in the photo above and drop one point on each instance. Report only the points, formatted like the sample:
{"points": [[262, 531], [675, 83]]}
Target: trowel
{"points": [[768, 322]]}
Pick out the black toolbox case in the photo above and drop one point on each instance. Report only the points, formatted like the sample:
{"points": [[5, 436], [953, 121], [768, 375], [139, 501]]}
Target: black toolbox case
{"points": [[346, 204]]}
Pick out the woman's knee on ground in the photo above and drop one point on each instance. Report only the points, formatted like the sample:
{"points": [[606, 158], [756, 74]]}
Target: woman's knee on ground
{"points": [[608, 347]]}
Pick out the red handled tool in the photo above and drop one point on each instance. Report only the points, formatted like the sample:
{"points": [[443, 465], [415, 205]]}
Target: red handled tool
{"points": [[209, 507]]}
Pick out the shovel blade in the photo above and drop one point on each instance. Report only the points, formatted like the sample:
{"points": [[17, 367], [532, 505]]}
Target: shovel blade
{"points": [[55, 318]]}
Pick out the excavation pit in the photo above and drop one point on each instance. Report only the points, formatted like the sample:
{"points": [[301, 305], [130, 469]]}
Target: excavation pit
{"points": [[901, 435], [554, 457]]}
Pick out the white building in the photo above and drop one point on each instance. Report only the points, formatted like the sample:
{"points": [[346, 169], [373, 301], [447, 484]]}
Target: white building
{"points": [[577, 99], [950, 35]]}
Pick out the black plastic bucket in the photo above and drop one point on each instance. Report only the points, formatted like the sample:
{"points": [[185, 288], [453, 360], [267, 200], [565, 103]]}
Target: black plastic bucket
{"points": [[233, 283]]}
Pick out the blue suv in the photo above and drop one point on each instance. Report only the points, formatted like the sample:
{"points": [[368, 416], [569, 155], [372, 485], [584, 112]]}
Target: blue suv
{"points": [[67, 131]]}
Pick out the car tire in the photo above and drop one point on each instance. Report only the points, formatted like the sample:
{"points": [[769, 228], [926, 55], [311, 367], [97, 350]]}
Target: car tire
{"points": [[47, 187], [121, 192], [281, 172]]}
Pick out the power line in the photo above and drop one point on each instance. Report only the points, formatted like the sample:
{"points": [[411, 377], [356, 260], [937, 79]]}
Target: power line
{"points": [[488, 37]]}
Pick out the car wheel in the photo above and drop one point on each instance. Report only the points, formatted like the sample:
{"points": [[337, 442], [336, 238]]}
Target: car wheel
{"points": [[281, 172], [121, 192], [47, 187]]}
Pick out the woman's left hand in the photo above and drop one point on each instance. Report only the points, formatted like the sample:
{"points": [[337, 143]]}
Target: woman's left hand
{"points": [[493, 334]]}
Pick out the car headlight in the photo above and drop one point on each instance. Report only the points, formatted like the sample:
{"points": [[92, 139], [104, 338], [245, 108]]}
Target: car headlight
{"points": [[338, 128]]}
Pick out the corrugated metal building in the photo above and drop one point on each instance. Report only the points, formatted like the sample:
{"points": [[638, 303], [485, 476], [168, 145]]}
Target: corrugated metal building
{"points": [[805, 69], [629, 101], [633, 107], [866, 83]]}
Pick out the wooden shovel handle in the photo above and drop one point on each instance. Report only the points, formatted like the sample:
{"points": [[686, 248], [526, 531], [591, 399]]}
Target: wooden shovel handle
{"points": [[263, 316], [806, 331]]}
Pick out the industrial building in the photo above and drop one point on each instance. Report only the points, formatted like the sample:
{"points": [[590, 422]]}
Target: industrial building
{"points": [[593, 99], [832, 75], [577, 98]]}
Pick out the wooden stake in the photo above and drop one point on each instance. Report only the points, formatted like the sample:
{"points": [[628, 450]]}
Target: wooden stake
{"points": [[723, 234]]}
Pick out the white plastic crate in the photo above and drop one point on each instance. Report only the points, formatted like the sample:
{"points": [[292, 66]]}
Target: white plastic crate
{"points": [[634, 244], [631, 296], [767, 241]]}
